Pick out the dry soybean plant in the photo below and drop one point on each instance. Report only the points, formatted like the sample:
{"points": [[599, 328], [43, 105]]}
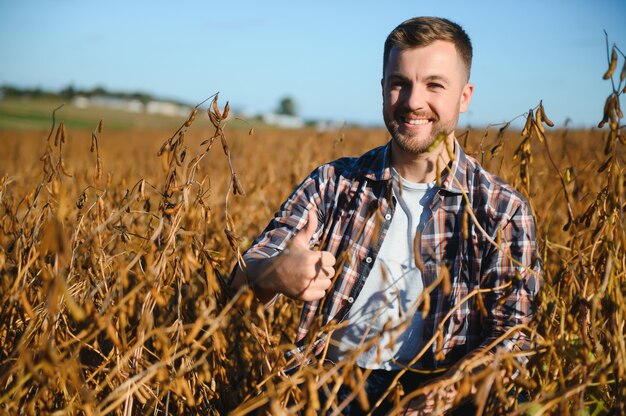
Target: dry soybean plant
{"points": [[114, 294], [111, 297]]}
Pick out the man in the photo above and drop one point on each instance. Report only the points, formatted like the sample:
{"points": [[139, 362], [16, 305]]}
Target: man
{"points": [[397, 221]]}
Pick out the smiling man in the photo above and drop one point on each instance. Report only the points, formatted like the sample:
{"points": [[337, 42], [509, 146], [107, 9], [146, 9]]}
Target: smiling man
{"points": [[402, 216]]}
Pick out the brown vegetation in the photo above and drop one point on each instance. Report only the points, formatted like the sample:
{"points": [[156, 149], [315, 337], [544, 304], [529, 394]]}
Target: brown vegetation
{"points": [[112, 268]]}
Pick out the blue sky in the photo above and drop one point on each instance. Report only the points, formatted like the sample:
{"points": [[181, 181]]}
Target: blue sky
{"points": [[325, 54]]}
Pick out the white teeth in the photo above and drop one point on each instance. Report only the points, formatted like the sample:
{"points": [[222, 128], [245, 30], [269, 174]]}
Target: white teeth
{"points": [[419, 122]]}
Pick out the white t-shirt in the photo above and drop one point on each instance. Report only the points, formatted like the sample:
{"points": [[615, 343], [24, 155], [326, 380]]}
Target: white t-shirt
{"points": [[390, 295]]}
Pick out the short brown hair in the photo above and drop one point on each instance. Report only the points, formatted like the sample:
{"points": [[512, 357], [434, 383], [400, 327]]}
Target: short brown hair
{"points": [[424, 30]]}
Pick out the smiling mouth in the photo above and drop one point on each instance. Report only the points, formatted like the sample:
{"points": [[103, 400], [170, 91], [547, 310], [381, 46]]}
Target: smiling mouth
{"points": [[417, 122]]}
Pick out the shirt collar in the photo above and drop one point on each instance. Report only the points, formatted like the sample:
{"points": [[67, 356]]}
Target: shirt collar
{"points": [[453, 180], [379, 169]]}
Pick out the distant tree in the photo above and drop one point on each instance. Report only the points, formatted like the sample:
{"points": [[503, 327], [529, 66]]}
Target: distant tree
{"points": [[142, 97], [11, 91], [287, 106], [68, 92], [98, 91]]}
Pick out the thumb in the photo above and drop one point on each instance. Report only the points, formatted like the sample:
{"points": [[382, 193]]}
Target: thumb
{"points": [[304, 235]]}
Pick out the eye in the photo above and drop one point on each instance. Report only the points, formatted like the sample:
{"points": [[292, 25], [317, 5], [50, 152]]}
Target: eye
{"points": [[435, 86], [396, 82]]}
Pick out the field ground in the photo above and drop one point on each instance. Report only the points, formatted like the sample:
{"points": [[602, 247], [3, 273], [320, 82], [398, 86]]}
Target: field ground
{"points": [[36, 114], [112, 260]]}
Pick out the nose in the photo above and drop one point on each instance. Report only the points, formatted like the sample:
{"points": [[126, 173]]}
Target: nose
{"points": [[413, 97]]}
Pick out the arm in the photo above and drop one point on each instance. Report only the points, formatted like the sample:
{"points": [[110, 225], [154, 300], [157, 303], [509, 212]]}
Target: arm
{"points": [[298, 272], [281, 261], [505, 308], [517, 264]]}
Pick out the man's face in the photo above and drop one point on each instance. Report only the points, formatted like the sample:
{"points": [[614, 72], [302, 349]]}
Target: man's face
{"points": [[424, 90]]}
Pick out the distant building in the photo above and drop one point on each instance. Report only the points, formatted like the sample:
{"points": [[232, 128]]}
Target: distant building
{"points": [[283, 120], [167, 108], [81, 102], [133, 105], [327, 125]]}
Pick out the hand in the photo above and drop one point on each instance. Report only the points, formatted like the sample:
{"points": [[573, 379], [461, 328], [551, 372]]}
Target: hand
{"points": [[437, 401], [299, 272]]}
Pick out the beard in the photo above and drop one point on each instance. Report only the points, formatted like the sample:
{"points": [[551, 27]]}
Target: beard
{"points": [[413, 143]]}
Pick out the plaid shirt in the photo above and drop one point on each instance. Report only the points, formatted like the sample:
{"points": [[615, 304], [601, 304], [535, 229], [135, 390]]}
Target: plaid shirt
{"points": [[354, 204]]}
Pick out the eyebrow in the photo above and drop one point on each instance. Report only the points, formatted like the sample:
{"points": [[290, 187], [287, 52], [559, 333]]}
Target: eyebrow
{"points": [[439, 78], [430, 78]]}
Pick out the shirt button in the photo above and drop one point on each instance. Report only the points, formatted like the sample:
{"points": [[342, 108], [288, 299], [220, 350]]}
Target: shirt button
{"points": [[350, 299], [388, 217], [368, 260]]}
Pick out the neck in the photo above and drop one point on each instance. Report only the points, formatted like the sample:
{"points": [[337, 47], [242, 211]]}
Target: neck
{"points": [[421, 167]]}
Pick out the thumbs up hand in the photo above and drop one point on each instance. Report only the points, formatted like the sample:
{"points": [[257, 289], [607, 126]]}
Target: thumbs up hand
{"points": [[299, 272]]}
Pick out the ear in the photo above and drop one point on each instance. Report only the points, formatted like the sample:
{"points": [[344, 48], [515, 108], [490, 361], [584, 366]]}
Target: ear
{"points": [[466, 96], [382, 87]]}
